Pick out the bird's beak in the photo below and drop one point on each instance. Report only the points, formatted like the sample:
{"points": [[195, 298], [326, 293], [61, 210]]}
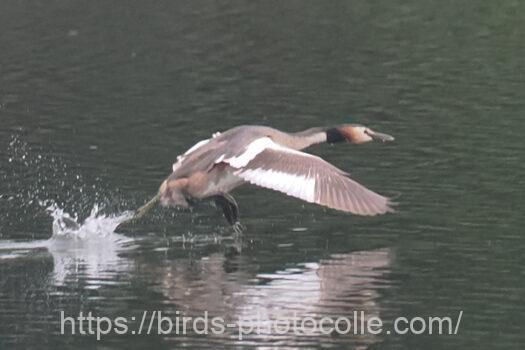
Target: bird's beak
{"points": [[380, 136]]}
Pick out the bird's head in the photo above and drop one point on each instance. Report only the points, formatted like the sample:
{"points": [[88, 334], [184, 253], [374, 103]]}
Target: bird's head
{"points": [[355, 134]]}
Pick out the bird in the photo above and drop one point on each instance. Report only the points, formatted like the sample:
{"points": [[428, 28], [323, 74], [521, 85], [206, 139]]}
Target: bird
{"points": [[272, 159]]}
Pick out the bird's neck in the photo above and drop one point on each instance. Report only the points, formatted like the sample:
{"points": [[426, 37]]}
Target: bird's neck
{"points": [[309, 137]]}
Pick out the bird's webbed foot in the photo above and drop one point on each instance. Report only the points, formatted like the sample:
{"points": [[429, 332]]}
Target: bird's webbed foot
{"points": [[231, 211], [238, 228]]}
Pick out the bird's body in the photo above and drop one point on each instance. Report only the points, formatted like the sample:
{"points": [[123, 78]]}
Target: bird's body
{"points": [[273, 159]]}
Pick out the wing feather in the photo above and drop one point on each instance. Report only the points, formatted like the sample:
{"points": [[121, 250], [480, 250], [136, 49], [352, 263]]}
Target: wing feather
{"points": [[306, 177]]}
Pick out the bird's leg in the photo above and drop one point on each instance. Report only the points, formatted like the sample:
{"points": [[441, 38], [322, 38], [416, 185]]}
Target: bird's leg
{"points": [[230, 209], [233, 206]]}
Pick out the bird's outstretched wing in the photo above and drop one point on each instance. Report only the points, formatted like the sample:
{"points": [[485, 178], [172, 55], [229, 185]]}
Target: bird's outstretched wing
{"points": [[267, 164]]}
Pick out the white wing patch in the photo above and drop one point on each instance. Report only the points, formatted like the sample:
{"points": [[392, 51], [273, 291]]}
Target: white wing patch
{"points": [[298, 186], [250, 153], [256, 147]]}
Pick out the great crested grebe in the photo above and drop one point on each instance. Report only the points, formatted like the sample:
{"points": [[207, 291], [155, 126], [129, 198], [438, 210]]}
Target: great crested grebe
{"points": [[269, 158]]}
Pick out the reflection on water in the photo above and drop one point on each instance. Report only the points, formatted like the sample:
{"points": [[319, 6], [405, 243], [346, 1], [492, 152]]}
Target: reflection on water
{"points": [[332, 287], [97, 260], [214, 283]]}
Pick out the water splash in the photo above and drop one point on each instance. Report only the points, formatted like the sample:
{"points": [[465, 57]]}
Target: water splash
{"points": [[95, 226], [38, 183], [90, 246], [33, 174]]}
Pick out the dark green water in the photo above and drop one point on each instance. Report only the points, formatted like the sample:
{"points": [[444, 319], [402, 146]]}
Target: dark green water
{"points": [[98, 98]]}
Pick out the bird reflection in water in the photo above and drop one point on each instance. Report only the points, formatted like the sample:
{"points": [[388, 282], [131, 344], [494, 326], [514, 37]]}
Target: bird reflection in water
{"points": [[333, 287]]}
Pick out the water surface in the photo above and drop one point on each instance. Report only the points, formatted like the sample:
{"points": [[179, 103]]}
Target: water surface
{"points": [[97, 99]]}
